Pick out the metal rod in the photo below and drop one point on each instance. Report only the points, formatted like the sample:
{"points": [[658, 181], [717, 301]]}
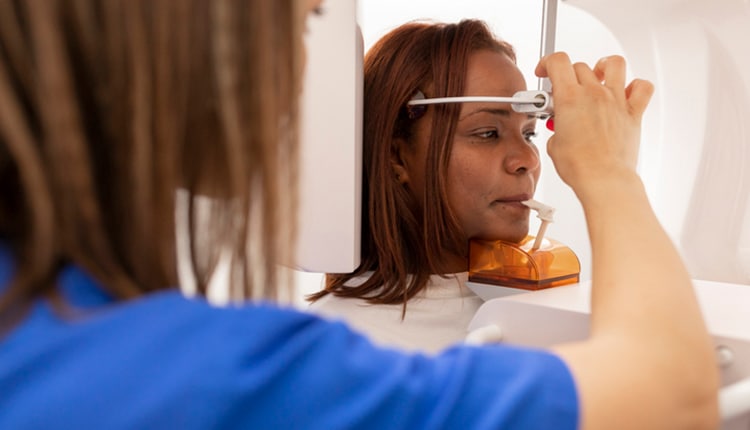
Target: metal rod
{"points": [[477, 99], [547, 45]]}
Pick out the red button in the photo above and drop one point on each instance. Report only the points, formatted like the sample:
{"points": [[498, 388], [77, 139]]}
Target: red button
{"points": [[551, 124]]}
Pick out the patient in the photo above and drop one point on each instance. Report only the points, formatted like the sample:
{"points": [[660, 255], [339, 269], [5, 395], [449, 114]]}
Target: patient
{"points": [[435, 177]]}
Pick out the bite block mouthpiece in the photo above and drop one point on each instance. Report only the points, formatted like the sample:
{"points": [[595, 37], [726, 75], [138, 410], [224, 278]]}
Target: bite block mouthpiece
{"points": [[543, 212]]}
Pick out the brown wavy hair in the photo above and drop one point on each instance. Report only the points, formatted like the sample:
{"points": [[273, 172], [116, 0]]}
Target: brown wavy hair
{"points": [[404, 240], [107, 107]]}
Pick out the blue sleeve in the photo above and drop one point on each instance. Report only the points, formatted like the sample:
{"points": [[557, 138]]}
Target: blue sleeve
{"points": [[301, 372], [167, 362]]}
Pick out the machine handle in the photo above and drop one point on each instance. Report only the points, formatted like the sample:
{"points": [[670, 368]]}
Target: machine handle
{"points": [[734, 399]]}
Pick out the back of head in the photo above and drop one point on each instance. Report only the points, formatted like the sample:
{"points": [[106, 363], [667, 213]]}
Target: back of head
{"points": [[403, 236], [107, 107]]}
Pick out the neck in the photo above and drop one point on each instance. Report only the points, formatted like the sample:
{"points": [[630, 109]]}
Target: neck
{"points": [[452, 263]]}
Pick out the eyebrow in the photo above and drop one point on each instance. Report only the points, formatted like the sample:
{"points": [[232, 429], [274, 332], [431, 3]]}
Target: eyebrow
{"points": [[493, 111]]}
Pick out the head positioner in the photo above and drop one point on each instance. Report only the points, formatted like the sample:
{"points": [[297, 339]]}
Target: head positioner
{"points": [[538, 103]]}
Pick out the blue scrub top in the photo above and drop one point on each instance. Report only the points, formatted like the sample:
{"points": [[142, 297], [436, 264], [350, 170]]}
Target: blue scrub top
{"points": [[169, 362]]}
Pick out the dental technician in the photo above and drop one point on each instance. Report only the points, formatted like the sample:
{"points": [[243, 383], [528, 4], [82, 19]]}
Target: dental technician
{"points": [[107, 107]]}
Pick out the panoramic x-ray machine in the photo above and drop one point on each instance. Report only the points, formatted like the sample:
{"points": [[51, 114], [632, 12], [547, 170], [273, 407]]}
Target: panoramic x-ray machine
{"points": [[697, 172]]}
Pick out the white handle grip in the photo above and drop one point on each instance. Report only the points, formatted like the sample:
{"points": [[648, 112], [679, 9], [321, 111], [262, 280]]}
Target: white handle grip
{"points": [[483, 335], [734, 400]]}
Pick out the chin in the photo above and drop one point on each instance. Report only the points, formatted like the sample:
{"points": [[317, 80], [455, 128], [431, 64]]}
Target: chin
{"points": [[516, 239], [511, 237]]}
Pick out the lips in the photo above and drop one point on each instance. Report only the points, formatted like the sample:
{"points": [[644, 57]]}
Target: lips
{"points": [[513, 199]]}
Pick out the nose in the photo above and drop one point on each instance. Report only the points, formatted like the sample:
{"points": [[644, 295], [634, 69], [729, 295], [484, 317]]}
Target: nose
{"points": [[522, 157]]}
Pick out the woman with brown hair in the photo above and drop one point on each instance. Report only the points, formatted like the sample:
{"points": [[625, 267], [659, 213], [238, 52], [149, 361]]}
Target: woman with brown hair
{"points": [[435, 177], [107, 107]]}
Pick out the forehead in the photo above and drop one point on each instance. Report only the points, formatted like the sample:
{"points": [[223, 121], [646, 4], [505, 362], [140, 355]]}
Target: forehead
{"points": [[491, 73]]}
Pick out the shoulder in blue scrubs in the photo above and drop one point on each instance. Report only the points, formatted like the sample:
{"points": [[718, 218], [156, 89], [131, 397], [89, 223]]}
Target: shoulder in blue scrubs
{"points": [[168, 362]]}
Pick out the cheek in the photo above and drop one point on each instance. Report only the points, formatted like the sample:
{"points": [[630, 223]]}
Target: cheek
{"points": [[468, 181], [472, 168]]}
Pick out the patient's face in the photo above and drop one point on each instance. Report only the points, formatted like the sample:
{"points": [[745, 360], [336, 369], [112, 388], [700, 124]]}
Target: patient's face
{"points": [[493, 165]]}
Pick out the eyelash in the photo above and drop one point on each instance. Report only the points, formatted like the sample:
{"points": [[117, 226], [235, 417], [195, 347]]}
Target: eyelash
{"points": [[485, 135]]}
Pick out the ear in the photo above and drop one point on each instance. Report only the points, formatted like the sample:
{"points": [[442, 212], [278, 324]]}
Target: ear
{"points": [[400, 170]]}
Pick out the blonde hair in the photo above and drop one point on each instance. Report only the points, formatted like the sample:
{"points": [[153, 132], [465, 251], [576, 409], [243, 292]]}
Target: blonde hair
{"points": [[107, 107]]}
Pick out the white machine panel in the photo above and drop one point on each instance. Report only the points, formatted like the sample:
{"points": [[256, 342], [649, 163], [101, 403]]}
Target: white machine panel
{"points": [[331, 142], [557, 315]]}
